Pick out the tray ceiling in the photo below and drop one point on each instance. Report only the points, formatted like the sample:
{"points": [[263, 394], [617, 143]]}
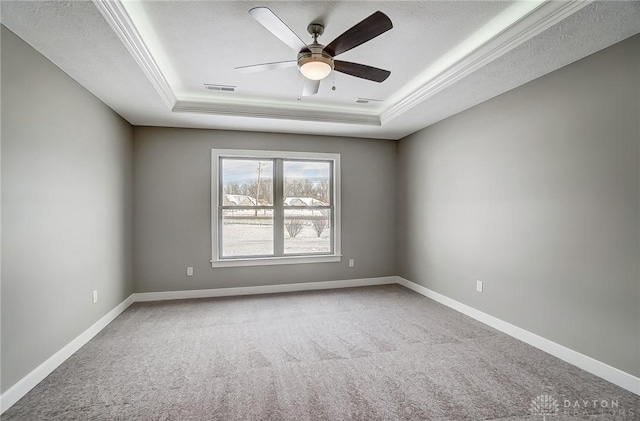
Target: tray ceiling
{"points": [[151, 61]]}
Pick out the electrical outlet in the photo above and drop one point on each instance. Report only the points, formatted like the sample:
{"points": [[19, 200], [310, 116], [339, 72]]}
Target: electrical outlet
{"points": [[95, 296], [479, 286], [352, 263], [190, 271]]}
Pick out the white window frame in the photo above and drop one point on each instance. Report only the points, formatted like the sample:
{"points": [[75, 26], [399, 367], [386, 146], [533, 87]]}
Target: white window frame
{"points": [[216, 186]]}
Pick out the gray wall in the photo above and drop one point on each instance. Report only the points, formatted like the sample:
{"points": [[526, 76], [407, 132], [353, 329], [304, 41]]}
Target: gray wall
{"points": [[536, 192], [66, 209], [172, 211]]}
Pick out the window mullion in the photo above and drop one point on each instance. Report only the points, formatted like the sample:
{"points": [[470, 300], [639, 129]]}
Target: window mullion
{"points": [[278, 208]]}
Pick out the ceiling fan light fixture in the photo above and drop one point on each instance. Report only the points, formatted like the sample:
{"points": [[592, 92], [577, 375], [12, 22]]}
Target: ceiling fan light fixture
{"points": [[315, 70], [315, 64]]}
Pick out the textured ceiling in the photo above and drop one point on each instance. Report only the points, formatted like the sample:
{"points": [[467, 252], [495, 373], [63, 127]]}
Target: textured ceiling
{"points": [[195, 42]]}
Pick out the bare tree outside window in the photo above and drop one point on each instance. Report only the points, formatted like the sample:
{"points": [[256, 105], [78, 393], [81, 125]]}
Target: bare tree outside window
{"points": [[319, 225], [294, 226]]}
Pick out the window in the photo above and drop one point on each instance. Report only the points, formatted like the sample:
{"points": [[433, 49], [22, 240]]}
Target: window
{"points": [[274, 207]]}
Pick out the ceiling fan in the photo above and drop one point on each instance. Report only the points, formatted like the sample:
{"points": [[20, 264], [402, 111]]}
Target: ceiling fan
{"points": [[316, 61]]}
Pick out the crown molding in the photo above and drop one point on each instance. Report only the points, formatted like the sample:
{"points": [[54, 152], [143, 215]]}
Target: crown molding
{"points": [[121, 23], [534, 23], [281, 112]]}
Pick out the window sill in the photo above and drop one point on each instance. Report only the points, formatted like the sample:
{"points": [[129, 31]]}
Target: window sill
{"points": [[267, 261]]}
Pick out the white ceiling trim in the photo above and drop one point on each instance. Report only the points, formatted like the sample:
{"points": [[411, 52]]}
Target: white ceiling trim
{"points": [[533, 23], [291, 113], [539, 20], [119, 20]]}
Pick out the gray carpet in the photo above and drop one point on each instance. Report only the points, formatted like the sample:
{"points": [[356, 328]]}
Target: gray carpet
{"points": [[374, 353]]}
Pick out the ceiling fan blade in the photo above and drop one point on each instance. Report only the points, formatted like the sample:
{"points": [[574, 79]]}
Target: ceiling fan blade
{"points": [[360, 70], [277, 27], [310, 87], [267, 66], [366, 30]]}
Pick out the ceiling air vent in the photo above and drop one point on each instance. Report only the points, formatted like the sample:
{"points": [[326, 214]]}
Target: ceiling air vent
{"points": [[366, 100], [225, 88]]}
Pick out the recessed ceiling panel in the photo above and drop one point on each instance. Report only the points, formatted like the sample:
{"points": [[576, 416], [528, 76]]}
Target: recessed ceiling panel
{"points": [[203, 42]]}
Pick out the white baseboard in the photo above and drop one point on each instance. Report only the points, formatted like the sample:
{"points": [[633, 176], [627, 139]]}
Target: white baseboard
{"points": [[28, 382], [611, 374], [264, 289], [593, 366]]}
